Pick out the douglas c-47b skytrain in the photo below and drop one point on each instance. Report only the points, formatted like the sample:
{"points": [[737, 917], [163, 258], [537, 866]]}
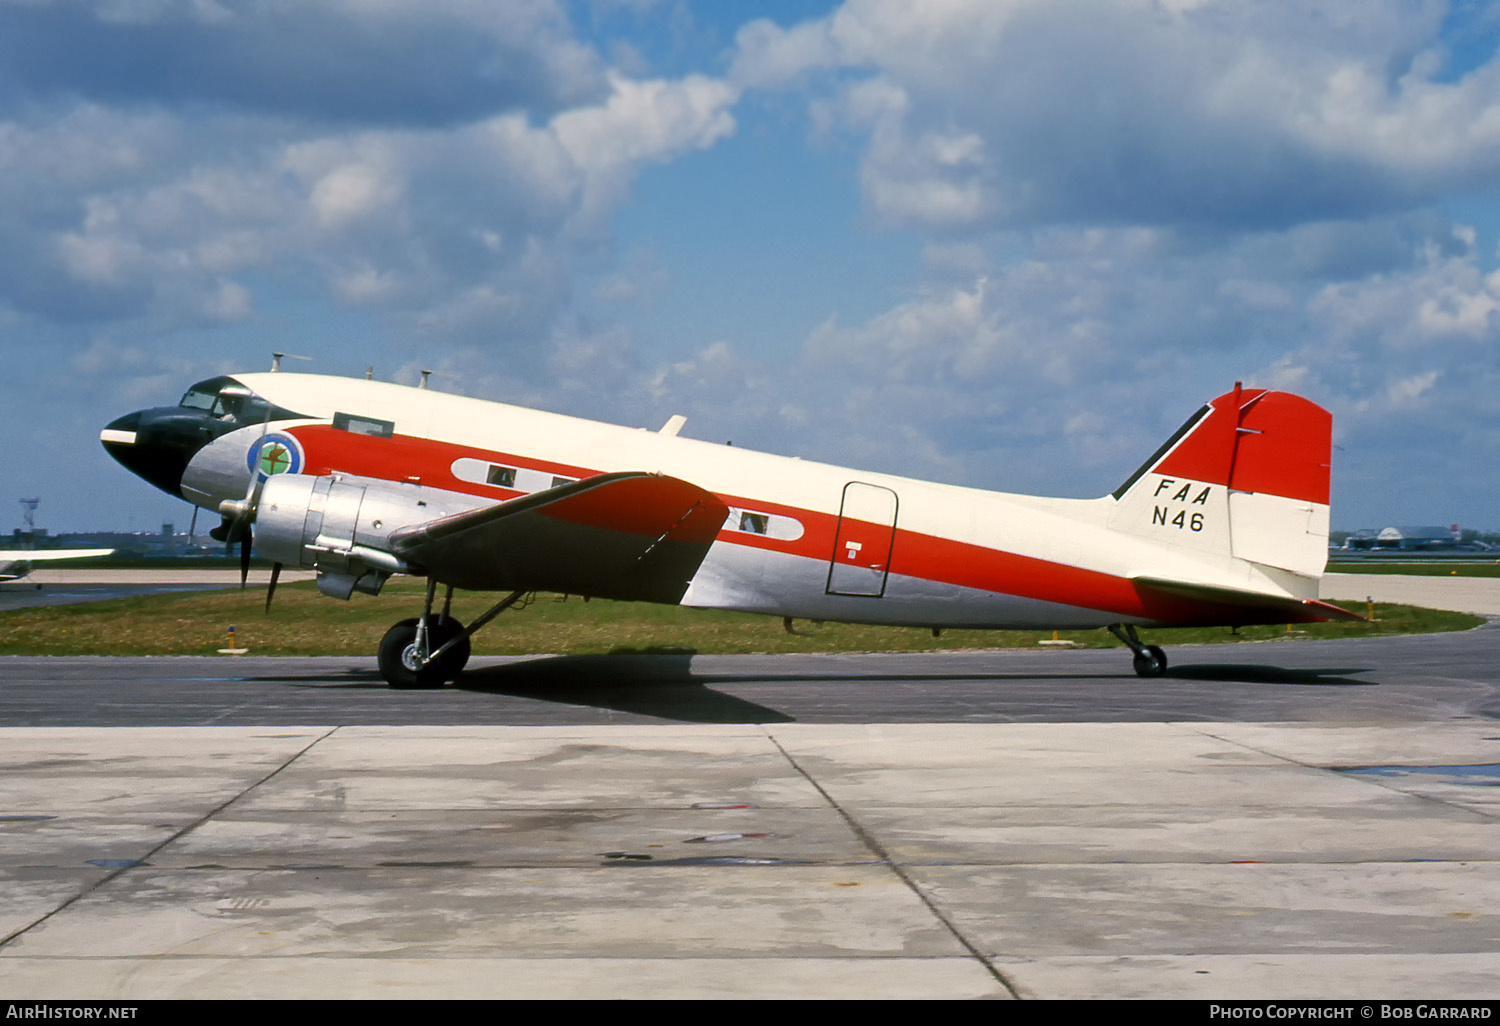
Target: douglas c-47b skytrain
{"points": [[1227, 524]]}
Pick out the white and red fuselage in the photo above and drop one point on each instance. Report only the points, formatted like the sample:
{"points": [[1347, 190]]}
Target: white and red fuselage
{"points": [[1227, 524]]}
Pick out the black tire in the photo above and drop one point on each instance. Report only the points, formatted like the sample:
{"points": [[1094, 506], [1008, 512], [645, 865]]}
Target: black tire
{"points": [[1151, 663], [456, 658], [393, 659]]}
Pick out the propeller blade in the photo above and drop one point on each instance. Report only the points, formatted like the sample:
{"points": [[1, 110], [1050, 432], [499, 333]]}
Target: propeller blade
{"points": [[238, 516], [271, 591]]}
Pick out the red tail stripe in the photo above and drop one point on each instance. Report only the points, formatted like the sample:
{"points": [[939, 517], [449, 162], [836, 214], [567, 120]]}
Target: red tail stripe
{"points": [[1258, 441]]}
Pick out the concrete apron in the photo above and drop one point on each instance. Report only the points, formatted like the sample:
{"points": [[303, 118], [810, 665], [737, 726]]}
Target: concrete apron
{"points": [[1477, 595], [915, 861]]}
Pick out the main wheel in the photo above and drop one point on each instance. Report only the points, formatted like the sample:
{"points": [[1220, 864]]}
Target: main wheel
{"points": [[1151, 663], [399, 663], [456, 658]]}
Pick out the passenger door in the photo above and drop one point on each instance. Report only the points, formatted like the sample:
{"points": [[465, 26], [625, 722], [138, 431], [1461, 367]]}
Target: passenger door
{"points": [[863, 542]]}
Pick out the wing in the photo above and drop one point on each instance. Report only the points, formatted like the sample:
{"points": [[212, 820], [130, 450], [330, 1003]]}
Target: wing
{"points": [[1240, 606], [627, 536]]}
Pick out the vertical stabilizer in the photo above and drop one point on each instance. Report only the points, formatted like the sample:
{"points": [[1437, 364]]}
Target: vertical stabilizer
{"points": [[1246, 476]]}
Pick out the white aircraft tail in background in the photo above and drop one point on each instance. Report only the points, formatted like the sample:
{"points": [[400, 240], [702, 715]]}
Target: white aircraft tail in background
{"points": [[17, 563]]}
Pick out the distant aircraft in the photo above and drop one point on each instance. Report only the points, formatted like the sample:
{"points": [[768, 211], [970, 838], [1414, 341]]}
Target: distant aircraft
{"points": [[16, 563], [1227, 524]]}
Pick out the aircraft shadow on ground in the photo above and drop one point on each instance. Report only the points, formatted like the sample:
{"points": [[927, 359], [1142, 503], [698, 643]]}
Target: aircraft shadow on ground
{"points": [[651, 685], [666, 685], [631, 669], [1253, 674], [662, 686]]}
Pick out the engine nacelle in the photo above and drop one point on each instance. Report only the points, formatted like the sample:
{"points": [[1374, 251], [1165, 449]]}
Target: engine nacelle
{"points": [[340, 525]]}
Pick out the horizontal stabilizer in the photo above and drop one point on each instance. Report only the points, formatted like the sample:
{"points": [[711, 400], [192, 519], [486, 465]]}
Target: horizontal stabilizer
{"points": [[1248, 607], [631, 535]]}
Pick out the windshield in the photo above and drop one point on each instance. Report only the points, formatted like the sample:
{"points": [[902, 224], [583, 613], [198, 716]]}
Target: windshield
{"points": [[196, 400], [231, 402]]}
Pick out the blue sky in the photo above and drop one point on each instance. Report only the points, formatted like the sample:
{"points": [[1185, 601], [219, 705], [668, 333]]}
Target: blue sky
{"points": [[1004, 243]]}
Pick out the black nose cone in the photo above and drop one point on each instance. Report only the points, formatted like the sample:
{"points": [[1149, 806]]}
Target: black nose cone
{"points": [[157, 444]]}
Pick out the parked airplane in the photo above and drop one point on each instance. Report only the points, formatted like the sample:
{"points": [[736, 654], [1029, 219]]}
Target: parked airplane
{"points": [[16, 563], [1227, 524]]}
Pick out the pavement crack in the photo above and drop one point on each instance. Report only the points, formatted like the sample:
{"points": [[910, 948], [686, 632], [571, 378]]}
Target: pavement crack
{"points": [[172, 839], [885, 859], [1447, 803]]}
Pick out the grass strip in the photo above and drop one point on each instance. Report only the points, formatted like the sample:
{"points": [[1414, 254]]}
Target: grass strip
{"points": [[1424, 568], [302, 622]]}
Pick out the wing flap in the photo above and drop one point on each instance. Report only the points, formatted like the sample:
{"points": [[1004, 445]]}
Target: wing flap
{"points": [[630, 535], [1246, 607]]}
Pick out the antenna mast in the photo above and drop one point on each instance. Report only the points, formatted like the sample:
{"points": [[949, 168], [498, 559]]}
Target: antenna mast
{"points": [[276, 359]]}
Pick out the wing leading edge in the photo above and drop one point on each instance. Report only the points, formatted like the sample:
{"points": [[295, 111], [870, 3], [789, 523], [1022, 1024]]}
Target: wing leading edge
{"points": [[633, 536]]}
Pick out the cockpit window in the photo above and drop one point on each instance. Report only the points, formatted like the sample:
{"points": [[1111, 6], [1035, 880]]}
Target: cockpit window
{"points": [[206, 395], [196, 400], [232, 403], [236, 406]]}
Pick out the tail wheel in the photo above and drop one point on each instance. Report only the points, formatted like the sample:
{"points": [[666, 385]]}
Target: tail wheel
{"points": [[1150, 661]]}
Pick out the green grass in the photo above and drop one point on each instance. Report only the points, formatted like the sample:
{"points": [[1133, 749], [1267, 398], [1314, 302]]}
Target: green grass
{"points": [[1422, 568], [302, 622]]}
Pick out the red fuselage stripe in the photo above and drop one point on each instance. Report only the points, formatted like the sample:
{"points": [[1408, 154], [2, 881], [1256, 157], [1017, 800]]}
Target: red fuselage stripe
{"points": [[406, 458]]}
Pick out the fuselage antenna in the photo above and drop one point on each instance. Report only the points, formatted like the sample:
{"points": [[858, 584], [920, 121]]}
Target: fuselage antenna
{"points": [[276, 359]]}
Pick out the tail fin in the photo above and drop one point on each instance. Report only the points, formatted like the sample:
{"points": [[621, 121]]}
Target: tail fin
{"points": [[1246, 476]]}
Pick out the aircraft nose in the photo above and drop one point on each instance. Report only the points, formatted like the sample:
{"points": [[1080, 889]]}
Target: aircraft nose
{"points": [[157, 444], [121, 431]]}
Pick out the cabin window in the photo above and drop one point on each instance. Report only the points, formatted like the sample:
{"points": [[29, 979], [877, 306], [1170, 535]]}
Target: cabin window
{"points": [[497, 475], [364, 425], [775, 526], [753, 523]]}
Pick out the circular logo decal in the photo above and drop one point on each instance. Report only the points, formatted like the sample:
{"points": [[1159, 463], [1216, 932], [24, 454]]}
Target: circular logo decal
{"points": [[276, 453]]}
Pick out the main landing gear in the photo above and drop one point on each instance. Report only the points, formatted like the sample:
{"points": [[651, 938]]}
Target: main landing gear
{"points": [[427, 651], [1150, 660]]}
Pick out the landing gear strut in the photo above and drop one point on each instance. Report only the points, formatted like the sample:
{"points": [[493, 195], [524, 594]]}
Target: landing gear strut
{"points": [[1150, 660], [426, 651]]}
